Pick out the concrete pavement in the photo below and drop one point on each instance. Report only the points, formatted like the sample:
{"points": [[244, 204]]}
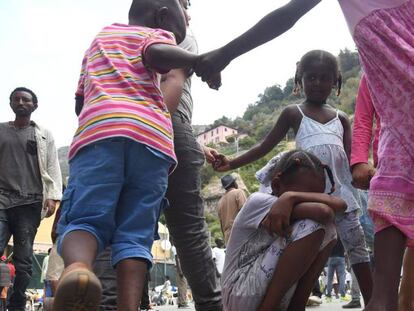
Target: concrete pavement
{"points": [[332, 306]]}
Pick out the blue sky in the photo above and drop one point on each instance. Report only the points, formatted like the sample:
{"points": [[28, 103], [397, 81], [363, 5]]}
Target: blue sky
{"points": [[42, 44]]}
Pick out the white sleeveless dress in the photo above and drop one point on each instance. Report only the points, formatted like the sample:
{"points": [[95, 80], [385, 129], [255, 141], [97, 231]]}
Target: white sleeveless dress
{"points": [[326, 142]]}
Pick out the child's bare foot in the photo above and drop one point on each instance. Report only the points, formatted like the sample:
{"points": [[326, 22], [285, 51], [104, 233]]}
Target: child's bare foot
{"points": [[78, 290]]}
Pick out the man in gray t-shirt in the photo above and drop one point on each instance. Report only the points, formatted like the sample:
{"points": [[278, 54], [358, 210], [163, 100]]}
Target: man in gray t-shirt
{"points": [[30, 182]]}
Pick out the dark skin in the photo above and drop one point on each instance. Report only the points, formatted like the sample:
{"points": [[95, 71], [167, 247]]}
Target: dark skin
{"points": [[23, 106], [269, 27], [302, 261], [317, 83]]}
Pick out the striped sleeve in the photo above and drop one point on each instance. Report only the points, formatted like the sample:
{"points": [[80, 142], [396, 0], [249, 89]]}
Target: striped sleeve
{"points": [[157, 37]]}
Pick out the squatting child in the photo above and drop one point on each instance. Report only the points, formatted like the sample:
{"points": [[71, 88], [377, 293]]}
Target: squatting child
{"points": [[280, 243]]}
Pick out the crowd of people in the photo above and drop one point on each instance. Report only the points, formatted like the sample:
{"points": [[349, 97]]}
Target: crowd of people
{"points": [[135, 156]]}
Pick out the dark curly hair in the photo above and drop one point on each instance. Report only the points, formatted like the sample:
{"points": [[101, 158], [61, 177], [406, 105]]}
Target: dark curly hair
{"points": [[293, 161], [323, 56]]}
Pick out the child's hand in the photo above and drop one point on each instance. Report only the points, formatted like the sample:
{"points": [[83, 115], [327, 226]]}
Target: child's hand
{"points": [[361, 175], [221, 163], [210, 154], [209, 64], [278, 219]]}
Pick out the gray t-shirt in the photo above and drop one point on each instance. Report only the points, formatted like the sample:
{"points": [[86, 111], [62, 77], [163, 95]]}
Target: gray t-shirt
{"points": [[185, 107], [248, 240], [20, 180]]}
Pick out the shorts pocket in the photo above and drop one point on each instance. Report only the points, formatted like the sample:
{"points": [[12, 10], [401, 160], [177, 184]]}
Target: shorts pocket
{"points": [[66, 204]]}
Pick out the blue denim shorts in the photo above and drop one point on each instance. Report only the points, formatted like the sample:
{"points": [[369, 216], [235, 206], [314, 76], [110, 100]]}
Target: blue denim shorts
{"points": [[114, 192]]}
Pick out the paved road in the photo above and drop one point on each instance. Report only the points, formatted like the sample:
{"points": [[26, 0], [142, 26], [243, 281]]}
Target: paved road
{"points": [[333, 306]]}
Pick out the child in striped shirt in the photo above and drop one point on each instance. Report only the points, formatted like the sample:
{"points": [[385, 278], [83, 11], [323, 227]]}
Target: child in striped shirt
{"points": [[121, 154]]}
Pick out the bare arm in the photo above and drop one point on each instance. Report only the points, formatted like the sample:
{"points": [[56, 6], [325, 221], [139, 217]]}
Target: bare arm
{"points": [[268, 28], [164, 57], [336, 204], [172, 84], [283, 210], [318, 212], [272, 139]]}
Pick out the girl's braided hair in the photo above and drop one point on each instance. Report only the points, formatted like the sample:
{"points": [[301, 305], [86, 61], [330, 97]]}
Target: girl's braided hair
{"points": [[293, 161], [319, 55]]}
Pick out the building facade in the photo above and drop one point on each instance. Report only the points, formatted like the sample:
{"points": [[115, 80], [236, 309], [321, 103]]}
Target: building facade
{"points": [[216, 135]]}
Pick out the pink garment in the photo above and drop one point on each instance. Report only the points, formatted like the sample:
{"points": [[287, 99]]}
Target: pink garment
{"points": [[356, 10], [363, 122], [385, 40]]}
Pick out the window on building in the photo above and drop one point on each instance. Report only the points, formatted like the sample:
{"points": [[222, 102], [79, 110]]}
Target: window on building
{"points": [[216, 131], [225, 129], [212, 133]]}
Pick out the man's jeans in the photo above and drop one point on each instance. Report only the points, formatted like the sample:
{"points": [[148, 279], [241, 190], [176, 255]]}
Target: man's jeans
{"points": [[336, 264], [186, 222], [21, 222]]}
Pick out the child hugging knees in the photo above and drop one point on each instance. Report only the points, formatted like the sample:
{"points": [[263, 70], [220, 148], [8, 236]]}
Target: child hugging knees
{"points": [[124, 140], [281, 241]]}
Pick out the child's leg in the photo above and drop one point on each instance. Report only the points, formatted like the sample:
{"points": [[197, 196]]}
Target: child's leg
{"points": [[305, 284], [352, 236], [389, 251], [406, 297], [87, 221], [131, 277], [136, 217], [293, 264], [79, 248]]}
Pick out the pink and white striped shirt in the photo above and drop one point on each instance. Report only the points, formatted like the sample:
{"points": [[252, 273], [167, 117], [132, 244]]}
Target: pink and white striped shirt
{"points": [[122, 96]]}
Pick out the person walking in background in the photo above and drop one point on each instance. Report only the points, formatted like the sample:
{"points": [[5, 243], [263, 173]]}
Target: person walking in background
{"points": [[219, 255], [46, 285], [5, 279], [182, 285], [30, 186], [336, 265], [230, 204]]}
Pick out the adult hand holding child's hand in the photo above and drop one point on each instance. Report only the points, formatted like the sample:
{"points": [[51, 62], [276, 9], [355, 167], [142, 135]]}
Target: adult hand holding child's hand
{"points": [[210, 64], [221, 163]]}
